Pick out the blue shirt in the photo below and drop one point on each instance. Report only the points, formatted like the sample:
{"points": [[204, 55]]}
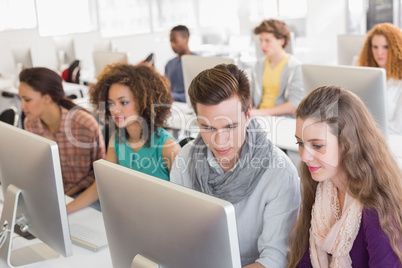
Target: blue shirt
{"points": [[148, 160], [174, 72]]}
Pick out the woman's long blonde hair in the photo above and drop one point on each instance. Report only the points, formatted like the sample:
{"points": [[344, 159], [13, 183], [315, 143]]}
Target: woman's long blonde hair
{"points": [[394, 38], [374, 177]]}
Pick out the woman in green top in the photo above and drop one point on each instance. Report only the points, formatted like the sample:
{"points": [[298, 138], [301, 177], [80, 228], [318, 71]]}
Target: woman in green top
{"points": [[137, 101]]}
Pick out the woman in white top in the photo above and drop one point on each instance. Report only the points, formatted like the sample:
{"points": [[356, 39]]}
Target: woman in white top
{"points": [[383, 48]]}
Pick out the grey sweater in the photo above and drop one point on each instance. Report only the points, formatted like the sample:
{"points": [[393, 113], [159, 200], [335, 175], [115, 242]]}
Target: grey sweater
{"points": [[290, 84], [266, 217]]}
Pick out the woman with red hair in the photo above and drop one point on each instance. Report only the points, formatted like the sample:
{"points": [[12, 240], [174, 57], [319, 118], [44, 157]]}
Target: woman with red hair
{"points": [[383, 48]]}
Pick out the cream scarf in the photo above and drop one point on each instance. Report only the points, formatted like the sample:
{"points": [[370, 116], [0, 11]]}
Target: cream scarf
{"points": [[330, 233]]}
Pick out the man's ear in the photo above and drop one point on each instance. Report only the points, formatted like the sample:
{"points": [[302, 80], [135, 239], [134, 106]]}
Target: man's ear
{"points": [[282, 41], [248, 116]]}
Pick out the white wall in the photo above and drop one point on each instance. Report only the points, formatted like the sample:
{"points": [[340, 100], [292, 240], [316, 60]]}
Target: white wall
{"points": [[44, 51], [22, 38], [325, 20]]}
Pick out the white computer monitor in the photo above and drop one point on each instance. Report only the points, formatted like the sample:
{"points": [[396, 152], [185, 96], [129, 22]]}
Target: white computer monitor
{"points": [[22, 57], [349, 46], [103, 58], [65, 51], [161, 223], [45, 55], [369, 83], [192, 65], [34, 199]]}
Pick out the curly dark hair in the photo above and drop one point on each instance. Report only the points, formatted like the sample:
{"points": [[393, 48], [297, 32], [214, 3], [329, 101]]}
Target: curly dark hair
{"points": [[150, 90], [278, 28]]}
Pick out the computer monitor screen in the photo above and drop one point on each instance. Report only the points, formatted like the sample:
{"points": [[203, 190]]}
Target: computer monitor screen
{"points": [[45, 55], [103, 58], [349, 47], [34, 199], [65, 50], [369, 83], [192, 65], [22, 57], [162, 223]]}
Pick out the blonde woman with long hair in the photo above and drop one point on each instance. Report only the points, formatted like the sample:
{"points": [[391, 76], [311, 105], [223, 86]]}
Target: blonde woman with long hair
{"points": [[351, 186]]}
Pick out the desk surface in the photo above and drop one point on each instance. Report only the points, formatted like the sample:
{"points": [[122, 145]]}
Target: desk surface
{"points": [[81, 257]]}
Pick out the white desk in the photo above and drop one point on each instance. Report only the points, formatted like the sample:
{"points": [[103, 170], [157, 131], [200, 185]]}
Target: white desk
{"points": [[6, 81], [81, 257], [7, 84], [81, 91]]}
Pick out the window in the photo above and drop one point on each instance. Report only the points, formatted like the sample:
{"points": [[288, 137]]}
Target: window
{"points": [[265, 9], [13, 17], [292, 12], [356, 17], [65, 17], [123, 17], [168, 13], [260, 10], [292, 8], [223, 15]]}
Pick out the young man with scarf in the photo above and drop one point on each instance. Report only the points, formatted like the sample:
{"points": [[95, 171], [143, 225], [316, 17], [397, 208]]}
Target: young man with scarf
{"points": [[233, 159]]}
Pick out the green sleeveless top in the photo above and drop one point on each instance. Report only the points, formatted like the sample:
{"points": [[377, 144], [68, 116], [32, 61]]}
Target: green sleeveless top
{"points": [[148, 160]]}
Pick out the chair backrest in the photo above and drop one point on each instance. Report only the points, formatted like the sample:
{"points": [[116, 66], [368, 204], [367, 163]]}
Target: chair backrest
{"points": [[10, 116], [185, 141]]}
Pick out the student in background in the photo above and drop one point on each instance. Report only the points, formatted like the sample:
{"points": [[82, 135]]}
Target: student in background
{"points": [[138, 103], [233, 159], [179, 37], [383, 48], [277, 79], [51, 115], [351, 186]]}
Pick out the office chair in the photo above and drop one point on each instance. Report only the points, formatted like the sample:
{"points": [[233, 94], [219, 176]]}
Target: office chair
{"points": [[10, 116], [185, 141]]}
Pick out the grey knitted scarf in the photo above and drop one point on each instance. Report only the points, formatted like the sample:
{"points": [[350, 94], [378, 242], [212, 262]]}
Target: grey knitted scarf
{"points": [[240, 181]]}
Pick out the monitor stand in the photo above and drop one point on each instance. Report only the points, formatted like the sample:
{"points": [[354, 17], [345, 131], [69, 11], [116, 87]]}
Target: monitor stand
{"points": [[140, 261], [27, 255]]}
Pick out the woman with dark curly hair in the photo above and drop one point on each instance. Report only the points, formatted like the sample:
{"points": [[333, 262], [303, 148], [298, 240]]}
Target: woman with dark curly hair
{"points": [[137, 101], [383, 48]]}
